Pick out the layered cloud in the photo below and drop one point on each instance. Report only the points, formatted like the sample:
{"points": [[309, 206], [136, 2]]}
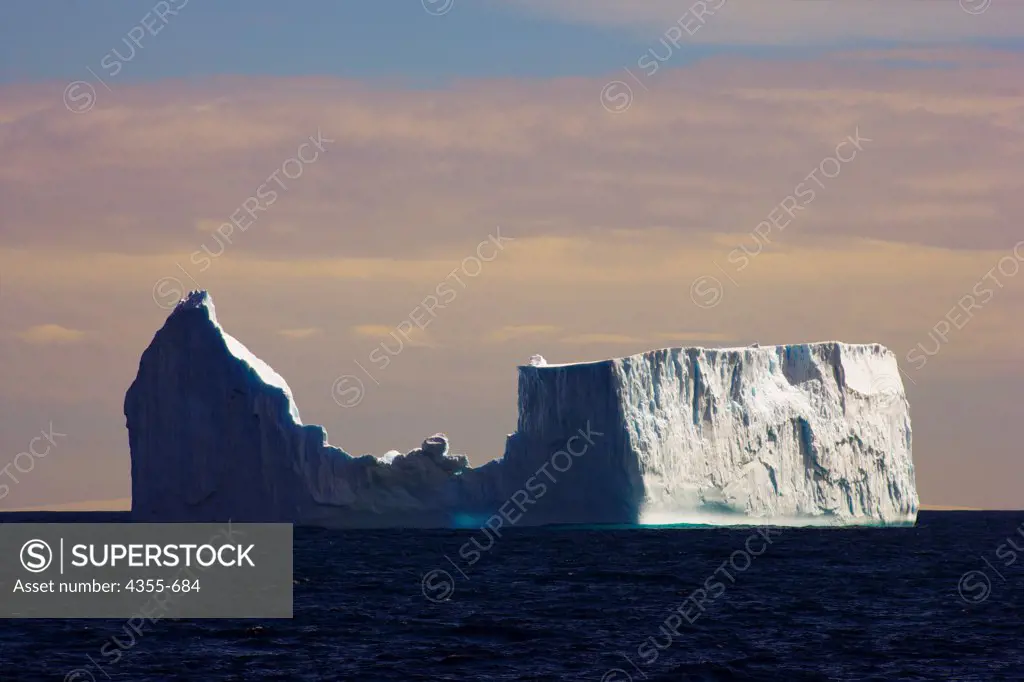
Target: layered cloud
{"points": [[541, 216], [160, 167]]}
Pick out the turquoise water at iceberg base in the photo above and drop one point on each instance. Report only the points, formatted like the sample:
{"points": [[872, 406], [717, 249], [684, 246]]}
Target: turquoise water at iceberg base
{"points": [[941, 600]]}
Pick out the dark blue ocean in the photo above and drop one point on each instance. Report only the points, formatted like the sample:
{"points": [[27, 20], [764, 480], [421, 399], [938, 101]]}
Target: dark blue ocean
{"points": [[941, 601]]}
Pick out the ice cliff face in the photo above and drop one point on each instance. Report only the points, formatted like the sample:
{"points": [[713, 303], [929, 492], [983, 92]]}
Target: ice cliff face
{"points": [[817, 432], [798, 434]]}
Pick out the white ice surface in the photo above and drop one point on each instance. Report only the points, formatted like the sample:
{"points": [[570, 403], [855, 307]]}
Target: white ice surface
{"points": [[812, 433]]}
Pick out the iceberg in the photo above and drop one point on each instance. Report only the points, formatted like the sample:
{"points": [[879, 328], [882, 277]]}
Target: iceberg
{"points": [[813, 433], [802, 434]]}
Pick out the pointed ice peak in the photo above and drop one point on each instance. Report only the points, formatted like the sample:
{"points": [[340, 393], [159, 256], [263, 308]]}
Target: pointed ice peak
{"points": [[196, 300]]}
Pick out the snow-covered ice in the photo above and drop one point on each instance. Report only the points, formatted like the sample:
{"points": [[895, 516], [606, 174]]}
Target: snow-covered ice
{"points": [[811, 433], [808, 434]]}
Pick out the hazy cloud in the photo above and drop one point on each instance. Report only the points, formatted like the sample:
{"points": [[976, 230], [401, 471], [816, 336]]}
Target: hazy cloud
{"points": [[50, 334], [755, 22], [508, 332]]}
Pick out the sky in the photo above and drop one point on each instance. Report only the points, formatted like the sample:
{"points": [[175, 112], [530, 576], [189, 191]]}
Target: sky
{"points": [[624, 167]]}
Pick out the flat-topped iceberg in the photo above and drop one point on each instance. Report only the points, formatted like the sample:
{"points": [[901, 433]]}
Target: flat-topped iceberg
{"points": [[816, 433], [813, 433]]}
